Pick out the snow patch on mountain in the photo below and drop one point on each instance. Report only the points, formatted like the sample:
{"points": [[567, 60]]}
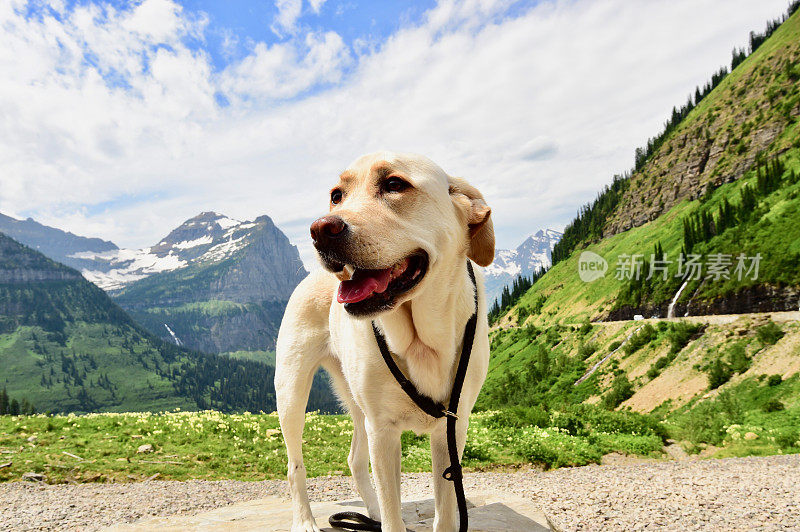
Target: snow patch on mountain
{"points": [[223, 250], [208, 237], [503, 264], [227, 223], [122, 266], [194, 243]]}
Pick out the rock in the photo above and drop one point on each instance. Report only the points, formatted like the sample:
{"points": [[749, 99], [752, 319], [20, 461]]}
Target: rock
{"points": [[146, 448], [30, 476], [676, 452], [708, 451], [750, 436]]}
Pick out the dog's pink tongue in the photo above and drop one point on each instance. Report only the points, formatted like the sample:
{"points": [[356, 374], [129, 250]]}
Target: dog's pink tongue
{"points": [[363, 284]]}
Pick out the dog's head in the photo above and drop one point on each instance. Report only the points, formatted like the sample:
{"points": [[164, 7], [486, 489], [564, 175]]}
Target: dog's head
{"points": [[394, 219]]}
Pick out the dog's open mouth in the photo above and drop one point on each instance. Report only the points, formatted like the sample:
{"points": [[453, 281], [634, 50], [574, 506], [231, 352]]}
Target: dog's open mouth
{"points": [[370, 291]]}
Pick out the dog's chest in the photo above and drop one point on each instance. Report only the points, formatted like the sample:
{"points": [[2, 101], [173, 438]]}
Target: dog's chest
{"points": [[373, 387]]}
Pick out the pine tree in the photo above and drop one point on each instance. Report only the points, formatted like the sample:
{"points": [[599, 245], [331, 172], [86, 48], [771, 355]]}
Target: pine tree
{"points": [[688, 236], [3, 402]]}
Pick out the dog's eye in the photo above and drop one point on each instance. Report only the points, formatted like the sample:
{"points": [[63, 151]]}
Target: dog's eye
{"points": [[336, 196], [395, 184]]}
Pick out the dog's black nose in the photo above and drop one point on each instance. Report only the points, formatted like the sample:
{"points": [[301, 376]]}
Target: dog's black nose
{"points": [[326, 229]]}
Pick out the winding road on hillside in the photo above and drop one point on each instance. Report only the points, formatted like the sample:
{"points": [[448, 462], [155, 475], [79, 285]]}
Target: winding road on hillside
{"points": [[720, 319], [715, 319]]}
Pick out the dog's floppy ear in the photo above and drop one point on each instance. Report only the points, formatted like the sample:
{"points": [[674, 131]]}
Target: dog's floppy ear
{"points": [[479, 221]]}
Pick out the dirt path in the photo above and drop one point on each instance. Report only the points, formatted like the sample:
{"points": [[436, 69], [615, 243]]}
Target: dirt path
{"points": [[730, 494]]}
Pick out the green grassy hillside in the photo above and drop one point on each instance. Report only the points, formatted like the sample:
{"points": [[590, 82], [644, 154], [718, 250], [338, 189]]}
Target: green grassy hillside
{"points": [[753, 110], [722, 181], [66, 347], [713, 139], [87, 367], [749, 121], [216, 326], [707, 384], [769, 229]]}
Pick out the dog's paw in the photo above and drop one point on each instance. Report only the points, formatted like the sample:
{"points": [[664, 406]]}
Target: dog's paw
{"points": [[374, 512], [445, 525], [305, 526]]}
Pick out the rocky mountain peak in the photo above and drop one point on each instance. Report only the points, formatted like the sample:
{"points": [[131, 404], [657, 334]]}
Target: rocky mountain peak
{"points": [[264, 218], [538, 245], [207, 238], [195, 234]]}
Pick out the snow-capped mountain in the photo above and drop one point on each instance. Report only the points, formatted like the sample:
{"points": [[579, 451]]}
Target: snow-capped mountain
{"points": [[534, 253], [213, 284], [208, 237]]}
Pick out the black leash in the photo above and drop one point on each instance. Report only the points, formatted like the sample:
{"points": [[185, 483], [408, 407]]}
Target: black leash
{"points": [[357, 521], [354, 521]]}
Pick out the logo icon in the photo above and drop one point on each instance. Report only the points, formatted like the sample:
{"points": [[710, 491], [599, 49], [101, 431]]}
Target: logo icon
{"points": [[591, 267]]}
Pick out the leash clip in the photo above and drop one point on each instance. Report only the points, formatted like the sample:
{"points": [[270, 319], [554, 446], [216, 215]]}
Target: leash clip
{"points": [[452, 473], [448, 413]]}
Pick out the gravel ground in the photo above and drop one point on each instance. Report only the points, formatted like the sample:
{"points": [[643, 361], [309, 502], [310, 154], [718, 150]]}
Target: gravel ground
{"points": [[757, 493]]}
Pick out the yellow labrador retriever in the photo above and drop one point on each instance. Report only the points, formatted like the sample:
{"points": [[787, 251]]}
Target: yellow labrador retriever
{"points": [[394, 247]]}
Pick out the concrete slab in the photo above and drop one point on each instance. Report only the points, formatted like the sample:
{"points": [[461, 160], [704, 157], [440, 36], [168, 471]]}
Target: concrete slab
{"points": [[489, 512]]}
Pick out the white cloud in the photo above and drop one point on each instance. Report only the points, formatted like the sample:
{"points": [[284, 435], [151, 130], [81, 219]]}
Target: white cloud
{"points": [[538, 148], [288, 14], [230, 43], [283, 70], [316, 5], [112, 132], [156, 20]]}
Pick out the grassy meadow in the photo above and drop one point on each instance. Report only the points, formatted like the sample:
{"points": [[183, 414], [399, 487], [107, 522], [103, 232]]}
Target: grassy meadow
{"points": [[211, 445]]}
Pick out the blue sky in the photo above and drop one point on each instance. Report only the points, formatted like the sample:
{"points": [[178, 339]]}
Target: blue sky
{"points": [[122, 119], [252, 21]]}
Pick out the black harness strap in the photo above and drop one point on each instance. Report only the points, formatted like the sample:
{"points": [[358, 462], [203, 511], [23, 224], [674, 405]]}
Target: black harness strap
{"points": [[357, 521], [425, 403]]}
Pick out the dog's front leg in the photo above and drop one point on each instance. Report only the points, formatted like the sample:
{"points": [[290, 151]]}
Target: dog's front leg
{"points": [[358, 460], [446, 519], [384, 454], [292, 388]]}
